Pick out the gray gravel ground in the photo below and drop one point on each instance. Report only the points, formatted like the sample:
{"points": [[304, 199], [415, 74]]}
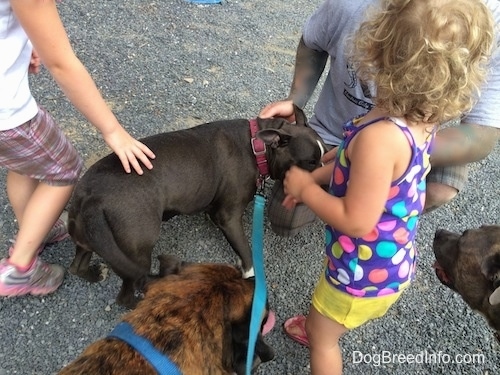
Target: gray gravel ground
{"points": [[166, 65]]}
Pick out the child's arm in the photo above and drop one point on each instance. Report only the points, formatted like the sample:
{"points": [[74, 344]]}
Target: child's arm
{"points": [[42, 24], [374, 154]]}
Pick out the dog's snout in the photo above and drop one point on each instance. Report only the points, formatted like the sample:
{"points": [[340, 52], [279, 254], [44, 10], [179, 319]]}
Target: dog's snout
{"points": [[444, 235]]}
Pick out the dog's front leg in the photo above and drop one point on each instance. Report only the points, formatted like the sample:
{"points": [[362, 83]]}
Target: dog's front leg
{"points": [[231, 226]]}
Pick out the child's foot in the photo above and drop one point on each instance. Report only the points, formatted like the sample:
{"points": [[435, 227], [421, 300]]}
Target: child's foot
{"points": [[41, 278], [295, 328]]}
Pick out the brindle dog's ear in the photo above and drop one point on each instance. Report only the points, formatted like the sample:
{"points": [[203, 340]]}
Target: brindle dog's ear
{"points": [[490, 268], [169, 264]]}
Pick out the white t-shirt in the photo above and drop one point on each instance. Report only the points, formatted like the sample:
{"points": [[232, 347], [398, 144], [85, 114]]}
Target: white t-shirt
{"points": [[342, 97], [17, 105]]}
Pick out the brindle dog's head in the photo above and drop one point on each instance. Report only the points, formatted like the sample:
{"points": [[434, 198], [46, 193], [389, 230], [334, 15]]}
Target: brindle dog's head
{"points": [[197, 314], [469, 263], [213, 302]]}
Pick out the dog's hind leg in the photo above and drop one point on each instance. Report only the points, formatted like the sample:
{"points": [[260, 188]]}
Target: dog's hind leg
{"points": [[133, 272], [80, 265]]}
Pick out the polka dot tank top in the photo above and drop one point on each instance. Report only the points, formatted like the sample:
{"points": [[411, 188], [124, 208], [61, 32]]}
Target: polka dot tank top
{"points": [[383, 261]]}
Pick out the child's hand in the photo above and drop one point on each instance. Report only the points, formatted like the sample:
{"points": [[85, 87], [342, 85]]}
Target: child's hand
{"points": [[330, 155], [296, 180], [289, 202], [35, 62], [129, 150]]}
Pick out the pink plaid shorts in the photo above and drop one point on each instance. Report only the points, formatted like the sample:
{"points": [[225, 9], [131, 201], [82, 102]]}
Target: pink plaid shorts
{"points": [[40, 150]]}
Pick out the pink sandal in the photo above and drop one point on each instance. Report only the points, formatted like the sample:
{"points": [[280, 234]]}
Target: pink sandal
{"points": [[295, 328]]}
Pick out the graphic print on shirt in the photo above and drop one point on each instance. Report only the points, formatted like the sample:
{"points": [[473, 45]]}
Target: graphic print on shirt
{"points": [[353, 82]]}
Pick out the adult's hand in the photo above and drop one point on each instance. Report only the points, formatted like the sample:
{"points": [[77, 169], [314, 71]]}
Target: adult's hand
{"points": [[283, 109]]}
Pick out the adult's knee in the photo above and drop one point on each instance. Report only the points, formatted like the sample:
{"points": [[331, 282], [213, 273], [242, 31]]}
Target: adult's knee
{"points": [[437, 195]]}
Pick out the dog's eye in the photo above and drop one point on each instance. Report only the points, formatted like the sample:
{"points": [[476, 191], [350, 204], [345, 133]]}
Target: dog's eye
{"points": [[284, 142], [308, 164], [313, 163]]}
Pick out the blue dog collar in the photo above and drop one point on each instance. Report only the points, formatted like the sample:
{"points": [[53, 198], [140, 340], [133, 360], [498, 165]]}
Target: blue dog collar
{"points": [[163, 366]]}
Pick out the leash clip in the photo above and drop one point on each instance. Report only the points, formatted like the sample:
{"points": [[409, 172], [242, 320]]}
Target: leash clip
{"points": [[261, 184]]}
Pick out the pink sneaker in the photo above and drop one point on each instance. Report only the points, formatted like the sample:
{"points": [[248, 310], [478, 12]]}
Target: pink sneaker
{"points": [[42, 278], [59, 231]]}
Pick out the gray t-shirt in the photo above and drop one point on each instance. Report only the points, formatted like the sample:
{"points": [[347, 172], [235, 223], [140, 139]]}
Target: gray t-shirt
{"points": [[342, 97]]}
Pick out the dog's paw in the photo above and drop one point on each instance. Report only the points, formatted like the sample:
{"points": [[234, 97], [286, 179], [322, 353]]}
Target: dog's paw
{"points": [[103, 272]]}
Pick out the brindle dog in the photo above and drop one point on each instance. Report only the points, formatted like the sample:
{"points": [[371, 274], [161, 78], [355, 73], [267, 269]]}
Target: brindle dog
{"points": [[196, 314], [469, 263]]}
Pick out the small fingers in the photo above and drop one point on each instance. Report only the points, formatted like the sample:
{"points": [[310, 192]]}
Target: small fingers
{"points": [[144, 154], [129, 160], [125, 162], [132, 159], [289, 202], [329, 156]]}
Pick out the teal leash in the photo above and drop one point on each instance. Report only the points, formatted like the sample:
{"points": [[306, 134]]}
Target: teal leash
{"points": [[260, 293]]}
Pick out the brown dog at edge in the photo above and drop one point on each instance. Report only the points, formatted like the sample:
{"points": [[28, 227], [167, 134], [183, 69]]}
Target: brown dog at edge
{"points": [[197, 314], [469, 263]]}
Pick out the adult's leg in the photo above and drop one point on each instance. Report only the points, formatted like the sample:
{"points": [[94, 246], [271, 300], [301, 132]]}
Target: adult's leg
{"points": [[443, 184], [285, 222]]}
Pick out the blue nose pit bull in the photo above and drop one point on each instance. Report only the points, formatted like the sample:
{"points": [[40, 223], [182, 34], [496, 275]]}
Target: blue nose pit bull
{"points": [[210, 167]]}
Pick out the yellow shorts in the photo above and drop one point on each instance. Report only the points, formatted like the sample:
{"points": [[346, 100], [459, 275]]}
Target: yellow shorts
{"points": [[349, 310]]}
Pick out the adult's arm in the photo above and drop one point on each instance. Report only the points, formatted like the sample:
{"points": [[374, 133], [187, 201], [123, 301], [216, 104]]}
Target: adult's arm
{"points": [[463, 144], [309, 66]]}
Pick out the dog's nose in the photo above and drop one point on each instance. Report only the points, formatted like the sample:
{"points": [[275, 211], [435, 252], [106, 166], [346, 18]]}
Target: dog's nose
{"points": [[438, 233]]}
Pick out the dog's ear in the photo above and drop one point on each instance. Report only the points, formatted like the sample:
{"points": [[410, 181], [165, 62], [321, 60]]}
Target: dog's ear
{"points": [[274, 137], [490, 267], [169, 264], [300, 117]]}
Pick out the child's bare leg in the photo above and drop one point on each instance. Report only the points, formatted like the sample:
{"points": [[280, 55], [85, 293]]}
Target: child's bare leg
{"points": [[324, 334], [37, 206], [19, 190]]}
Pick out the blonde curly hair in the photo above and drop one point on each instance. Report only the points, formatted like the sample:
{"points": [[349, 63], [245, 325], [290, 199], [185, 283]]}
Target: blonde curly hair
{"points": [[426, 58]]}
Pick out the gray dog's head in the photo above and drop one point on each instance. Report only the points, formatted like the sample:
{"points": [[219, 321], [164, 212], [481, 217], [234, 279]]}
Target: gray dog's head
{"points": [[469, 263], [290, 144]]}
